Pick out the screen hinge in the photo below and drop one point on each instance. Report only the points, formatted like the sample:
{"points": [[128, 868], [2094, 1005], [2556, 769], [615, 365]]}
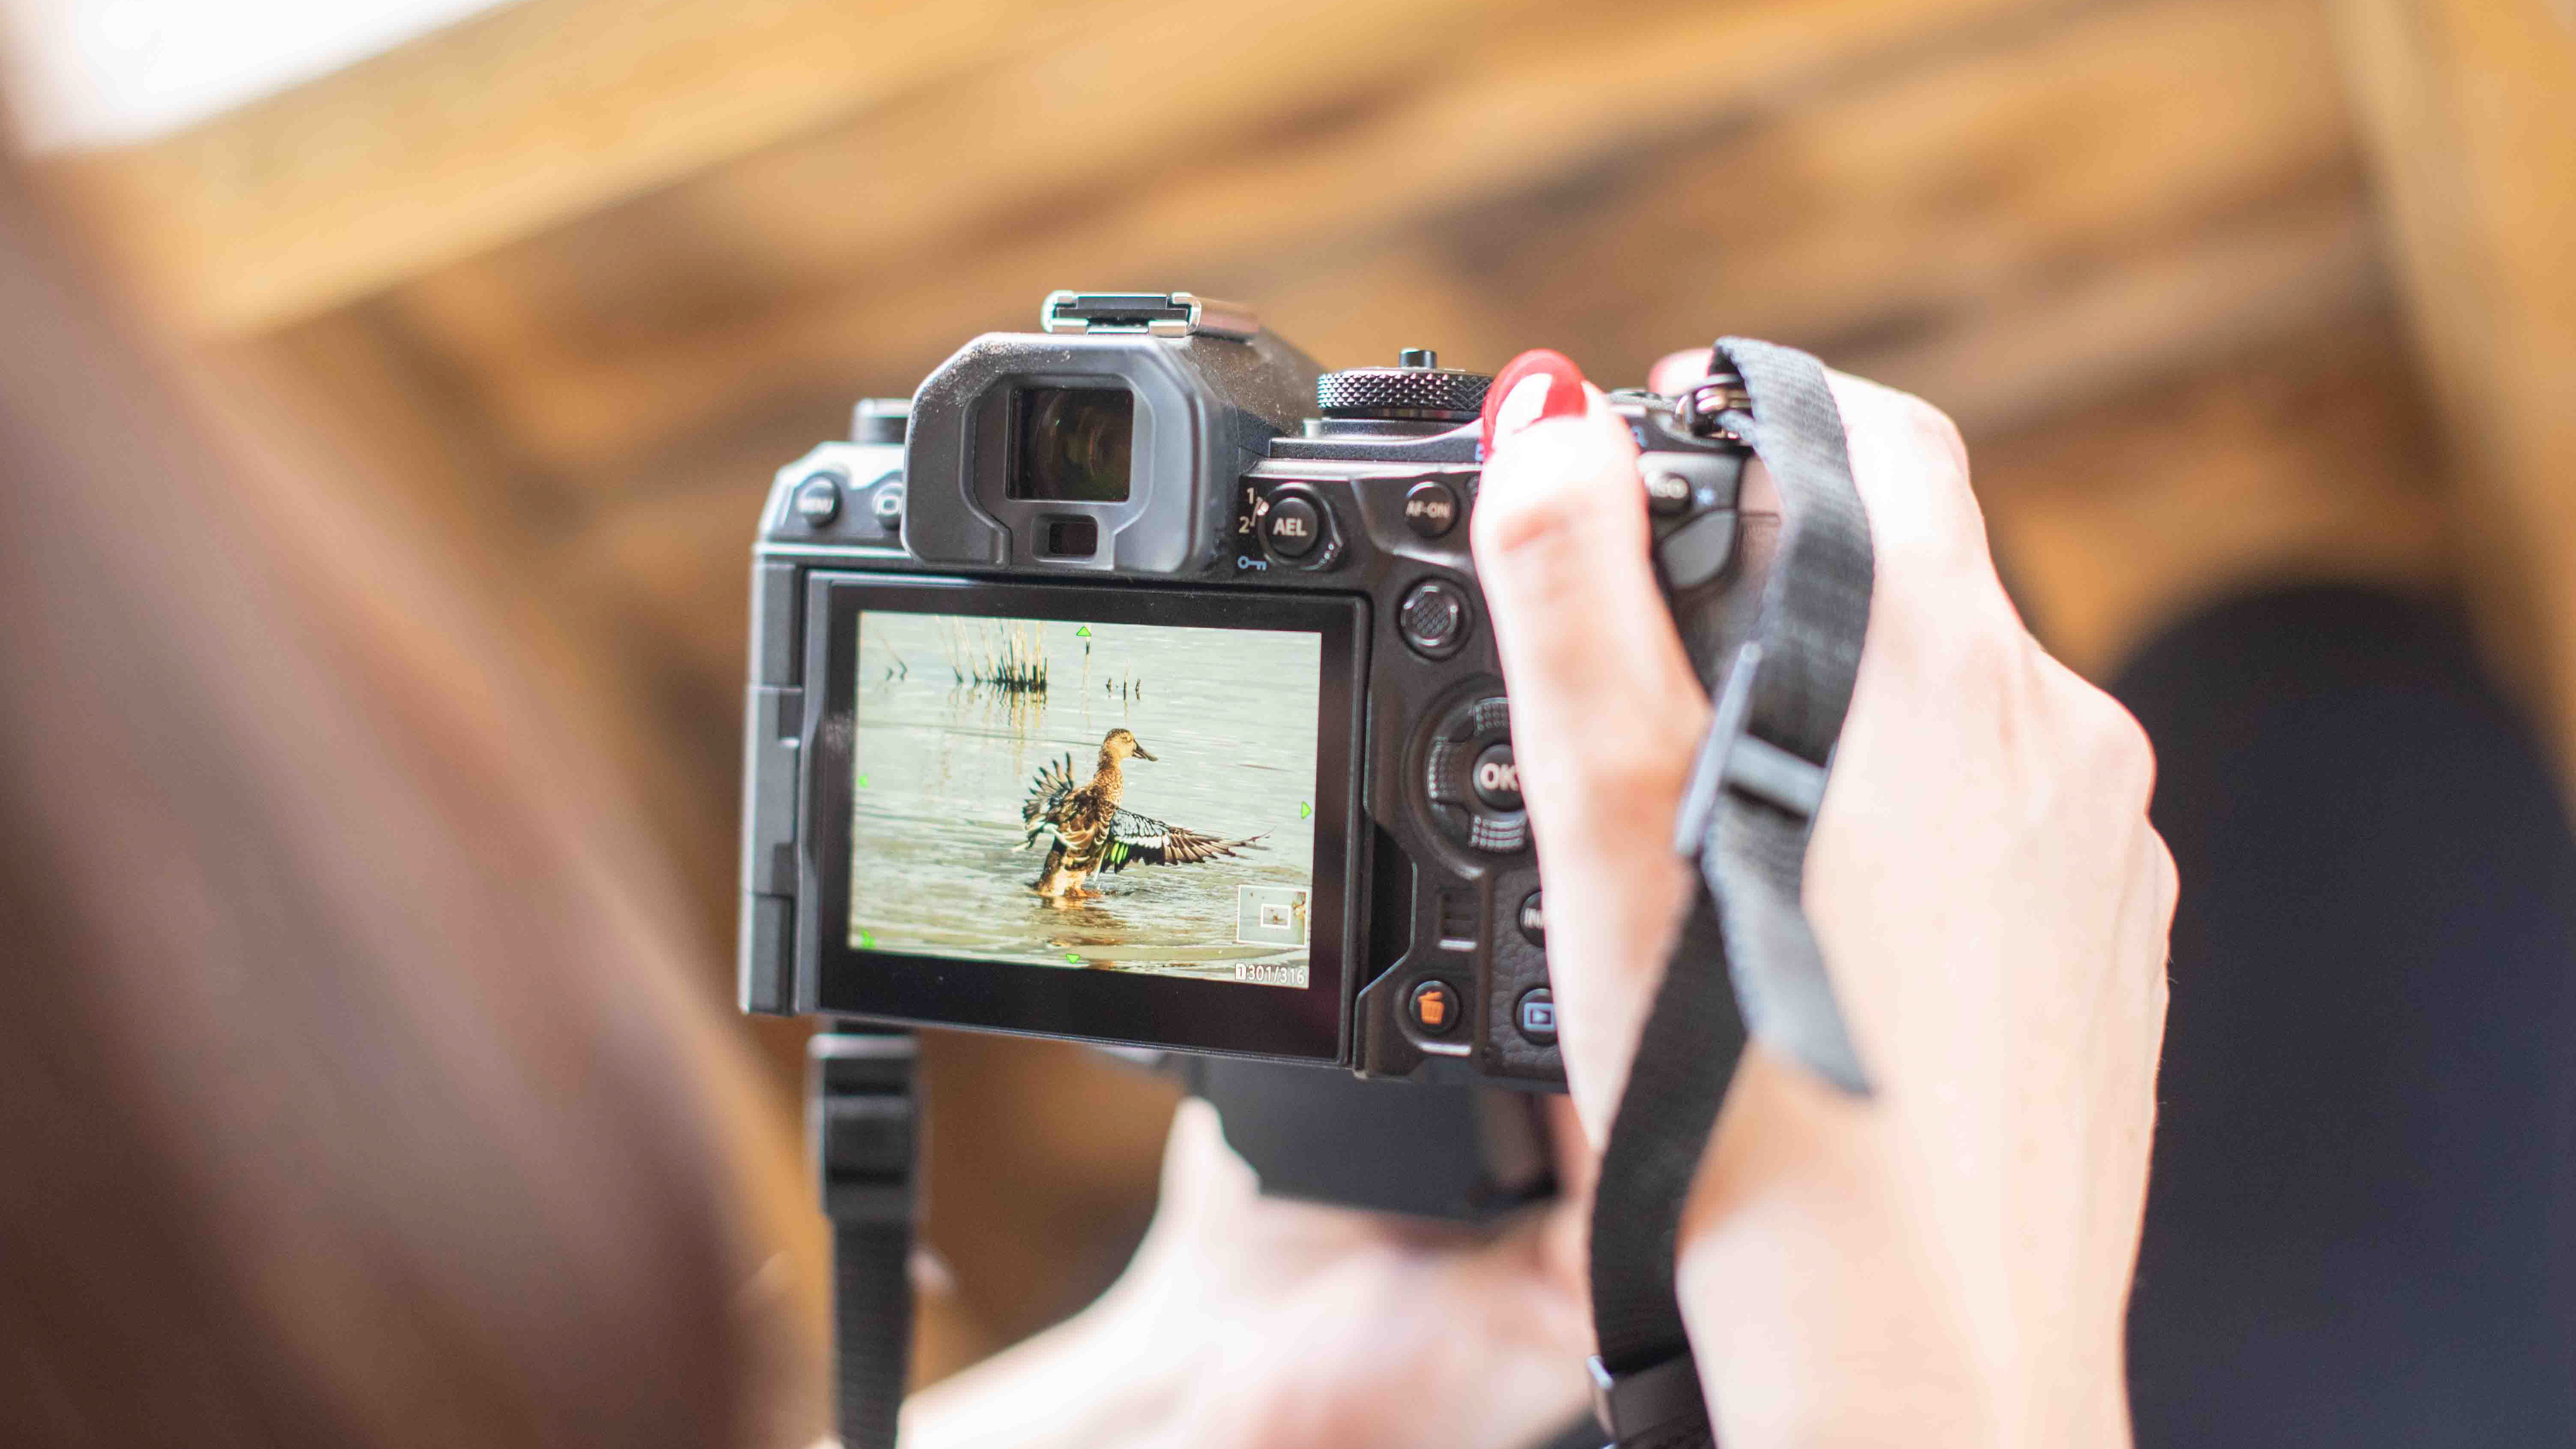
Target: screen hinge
{"points": [[1161, 314]]}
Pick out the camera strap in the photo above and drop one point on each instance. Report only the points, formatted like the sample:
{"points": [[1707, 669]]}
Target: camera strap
{"points": [[860, 1115], [1745, 962]]}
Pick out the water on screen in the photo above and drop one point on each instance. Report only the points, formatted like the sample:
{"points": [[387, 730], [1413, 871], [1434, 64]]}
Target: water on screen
{"points": [[955, 715]]}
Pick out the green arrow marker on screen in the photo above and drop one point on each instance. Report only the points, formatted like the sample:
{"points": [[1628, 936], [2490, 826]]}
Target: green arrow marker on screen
{"points": [[1082, 633], [1304, 809], [867, 941], [1071, 959], [863, 782]]}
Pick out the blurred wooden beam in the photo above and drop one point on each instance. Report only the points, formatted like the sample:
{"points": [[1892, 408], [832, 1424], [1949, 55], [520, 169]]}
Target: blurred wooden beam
{"points": [[2469, 111], [508, 123], [1817, 170], [544, 111], [2161, 227]]}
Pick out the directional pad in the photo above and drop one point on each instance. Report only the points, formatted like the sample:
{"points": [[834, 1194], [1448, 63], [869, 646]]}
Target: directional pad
{"points": [[1470, 779]]}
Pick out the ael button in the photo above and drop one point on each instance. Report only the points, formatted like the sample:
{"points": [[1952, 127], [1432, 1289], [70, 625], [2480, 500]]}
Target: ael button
{"points": [[1434, 1007], [1431, 508], [1292, 528], [1297, 528], [1434, 618]]}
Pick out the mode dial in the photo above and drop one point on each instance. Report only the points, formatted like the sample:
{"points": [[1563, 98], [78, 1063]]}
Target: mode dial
{"points": [[1417, 390]]}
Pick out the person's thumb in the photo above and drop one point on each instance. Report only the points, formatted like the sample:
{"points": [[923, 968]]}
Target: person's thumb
{"points": [[1605, 710]]}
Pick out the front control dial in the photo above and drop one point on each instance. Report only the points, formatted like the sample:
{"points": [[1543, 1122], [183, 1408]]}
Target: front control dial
{"points": [[1295, 526]]}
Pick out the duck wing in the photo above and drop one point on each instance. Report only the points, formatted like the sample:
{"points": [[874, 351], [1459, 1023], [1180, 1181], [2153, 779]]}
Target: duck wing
{"points": [[1048, 793], [1134, 838]]}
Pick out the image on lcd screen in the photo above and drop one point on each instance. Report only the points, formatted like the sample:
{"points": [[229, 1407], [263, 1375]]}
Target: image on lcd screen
{"points": [[1118, 797]]}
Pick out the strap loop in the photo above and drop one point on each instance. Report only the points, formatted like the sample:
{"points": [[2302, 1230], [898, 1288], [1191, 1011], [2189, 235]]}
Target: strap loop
{"points": [[1659, 1404]]}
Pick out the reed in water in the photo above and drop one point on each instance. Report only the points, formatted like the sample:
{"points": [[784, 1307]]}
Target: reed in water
{"points": [[1014, 663]]}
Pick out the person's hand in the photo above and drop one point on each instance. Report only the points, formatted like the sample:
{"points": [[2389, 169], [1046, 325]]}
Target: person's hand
{"points": [[1947, 1261], [1248, 1322]]}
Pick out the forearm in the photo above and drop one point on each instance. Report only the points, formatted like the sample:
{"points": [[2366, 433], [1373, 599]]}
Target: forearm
{"points": [[1097, 1381]]}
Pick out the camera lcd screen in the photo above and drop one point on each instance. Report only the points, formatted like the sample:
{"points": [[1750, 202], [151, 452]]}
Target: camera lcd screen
{"points": [[936, 708], [1073, 444], [1085, 795]]}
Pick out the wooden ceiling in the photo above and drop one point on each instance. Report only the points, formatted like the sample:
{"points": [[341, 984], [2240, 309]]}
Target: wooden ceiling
{"points": [[573, 278]]}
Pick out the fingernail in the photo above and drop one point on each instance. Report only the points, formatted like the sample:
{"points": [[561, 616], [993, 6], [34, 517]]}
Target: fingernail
{"points": [[1537, 386]]}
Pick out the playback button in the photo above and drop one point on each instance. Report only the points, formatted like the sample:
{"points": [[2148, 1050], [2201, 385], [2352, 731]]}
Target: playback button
{"points": [[1535, 1015]]}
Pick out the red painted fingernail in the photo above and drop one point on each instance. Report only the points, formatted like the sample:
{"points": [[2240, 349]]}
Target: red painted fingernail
{"points": [[1537, 386]]}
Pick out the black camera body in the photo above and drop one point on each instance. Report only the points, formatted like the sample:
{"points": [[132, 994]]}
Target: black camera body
{"points": [[1156, 531]]}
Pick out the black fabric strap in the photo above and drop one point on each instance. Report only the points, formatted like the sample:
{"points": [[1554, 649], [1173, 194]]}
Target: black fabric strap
{"points": [[1744, 962], [862, 1118], [1790, 690], [871, 1330], [1644, 1390]]}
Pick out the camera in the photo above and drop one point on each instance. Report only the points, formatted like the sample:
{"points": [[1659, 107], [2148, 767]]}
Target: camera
{"points": [[1131, 684]]}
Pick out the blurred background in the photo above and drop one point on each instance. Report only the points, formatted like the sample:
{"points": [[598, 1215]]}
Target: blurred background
{"points": [[2222, 292]]}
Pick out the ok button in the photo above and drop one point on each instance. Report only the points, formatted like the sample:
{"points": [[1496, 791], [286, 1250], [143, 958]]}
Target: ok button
{"points": [[1496, 779]]}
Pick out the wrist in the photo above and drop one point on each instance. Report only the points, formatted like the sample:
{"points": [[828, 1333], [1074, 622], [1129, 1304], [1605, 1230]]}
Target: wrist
{"points": [[1825, 1308]]}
